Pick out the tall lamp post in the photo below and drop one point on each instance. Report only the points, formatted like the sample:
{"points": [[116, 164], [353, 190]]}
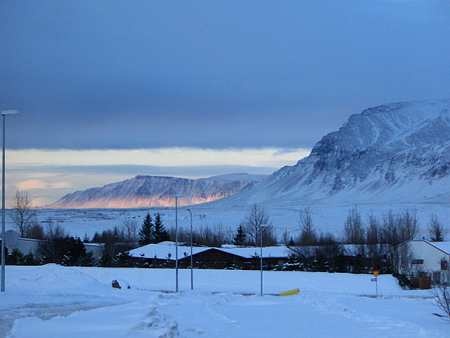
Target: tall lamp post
{"points": [[192, 260], [4, 113], [261, 231], [176, 243]]}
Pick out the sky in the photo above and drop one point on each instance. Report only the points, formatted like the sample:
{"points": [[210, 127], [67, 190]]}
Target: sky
{"points": [[98, 80]]}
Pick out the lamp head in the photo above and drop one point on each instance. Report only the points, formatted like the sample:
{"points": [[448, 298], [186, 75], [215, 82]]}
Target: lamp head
{"points": [[9, 112]]}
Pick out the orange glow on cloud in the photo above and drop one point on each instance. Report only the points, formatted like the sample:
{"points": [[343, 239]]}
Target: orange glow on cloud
{"points": [[35, 184]]}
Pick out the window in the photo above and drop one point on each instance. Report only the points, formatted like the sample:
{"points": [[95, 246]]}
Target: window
{"points": [[417, 261]]}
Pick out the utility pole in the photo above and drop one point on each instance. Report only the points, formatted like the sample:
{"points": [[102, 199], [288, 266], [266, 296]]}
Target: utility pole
{"points": [[3, 208], [3, 258], [192, 259], [176, 243], [261, 229]]}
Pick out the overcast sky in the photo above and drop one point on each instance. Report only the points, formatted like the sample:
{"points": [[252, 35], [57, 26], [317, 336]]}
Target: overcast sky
{"points": [[108, 74]]}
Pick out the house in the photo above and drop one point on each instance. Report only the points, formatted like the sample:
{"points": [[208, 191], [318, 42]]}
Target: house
{"points": [[31, 246], [272, 256], [419, 257], [95, 249], [216, 258], [163, 255], [25, 245]]}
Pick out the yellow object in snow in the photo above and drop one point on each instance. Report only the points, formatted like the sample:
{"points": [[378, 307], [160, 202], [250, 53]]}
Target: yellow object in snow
{"points": [[292, 292]]}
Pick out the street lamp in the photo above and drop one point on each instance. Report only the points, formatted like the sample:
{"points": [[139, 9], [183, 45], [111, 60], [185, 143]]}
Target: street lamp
{"points": [[4, 113], [192, 260], [261, 230], [176, 243]]}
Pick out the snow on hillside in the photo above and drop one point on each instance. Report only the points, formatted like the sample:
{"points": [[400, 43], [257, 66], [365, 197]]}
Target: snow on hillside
{"points": [[157, 191], [38, 303], [394, 153]]}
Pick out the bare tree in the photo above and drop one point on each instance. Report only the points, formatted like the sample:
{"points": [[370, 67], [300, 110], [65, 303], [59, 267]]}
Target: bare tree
{"points": [[408, 225], [130, 230], [23, 215], [436, 230], [389, 232], [308, 236], [372, 233], [268, 236], [257, 222], [285, 237], [373, 236], [397, 229], [442, 299], [54, 230], [204, 235], [353, 229]]}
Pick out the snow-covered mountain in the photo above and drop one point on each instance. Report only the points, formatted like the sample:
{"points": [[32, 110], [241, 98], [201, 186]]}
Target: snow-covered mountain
{"points": [[390, 157], [393, 153], [157, 191]]}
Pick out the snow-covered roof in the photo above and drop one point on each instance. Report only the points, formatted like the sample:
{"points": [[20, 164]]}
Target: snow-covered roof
{"points": [[249, 252], [165, 250], [93, 244], [444, 246]]}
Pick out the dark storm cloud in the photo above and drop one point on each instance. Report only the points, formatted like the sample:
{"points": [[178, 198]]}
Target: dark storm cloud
{"points": [[127, 74]]}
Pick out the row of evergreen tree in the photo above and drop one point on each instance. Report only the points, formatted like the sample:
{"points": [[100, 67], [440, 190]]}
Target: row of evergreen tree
{"points": [[153, 231]]}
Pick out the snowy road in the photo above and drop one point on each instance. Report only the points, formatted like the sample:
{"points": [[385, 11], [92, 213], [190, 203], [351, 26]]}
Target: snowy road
{"points": [[330, 305], [42, 311]]}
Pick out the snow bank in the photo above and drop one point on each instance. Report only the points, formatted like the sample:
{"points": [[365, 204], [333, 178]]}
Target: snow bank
{"points": [[329, 305]]}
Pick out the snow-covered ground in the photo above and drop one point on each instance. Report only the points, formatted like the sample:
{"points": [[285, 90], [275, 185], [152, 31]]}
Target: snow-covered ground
{"points": [[54, 301], [327, 217]]}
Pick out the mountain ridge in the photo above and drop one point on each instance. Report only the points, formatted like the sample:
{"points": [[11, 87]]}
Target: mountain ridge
{"points": [[398, 152], [157, 191]]}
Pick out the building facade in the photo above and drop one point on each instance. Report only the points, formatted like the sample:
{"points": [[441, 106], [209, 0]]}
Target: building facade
{"points": [[421, 257]]}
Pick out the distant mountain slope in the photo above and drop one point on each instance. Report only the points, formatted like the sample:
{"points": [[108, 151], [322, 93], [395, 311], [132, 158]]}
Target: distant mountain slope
{"points": [[157, 191], [396, 152]]}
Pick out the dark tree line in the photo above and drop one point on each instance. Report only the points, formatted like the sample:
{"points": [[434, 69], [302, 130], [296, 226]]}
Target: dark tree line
{"points": [[204, 235], [55, 247], [375, 242], [58, 247]]}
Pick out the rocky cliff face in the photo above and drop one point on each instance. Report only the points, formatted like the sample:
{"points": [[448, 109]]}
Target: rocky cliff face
{"points": [[391, 153], [157, 191]]}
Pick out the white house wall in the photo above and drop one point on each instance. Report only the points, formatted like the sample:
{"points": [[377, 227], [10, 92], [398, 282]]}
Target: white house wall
{"points": [[430, 255]]}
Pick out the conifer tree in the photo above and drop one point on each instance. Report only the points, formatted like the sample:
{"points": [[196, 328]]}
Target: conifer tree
{"points": [[146, 232], [160, 233], [240, 236]]}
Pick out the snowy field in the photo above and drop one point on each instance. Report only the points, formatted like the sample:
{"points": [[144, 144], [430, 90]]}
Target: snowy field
{"points": [[326, 217], [54, 301]]}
